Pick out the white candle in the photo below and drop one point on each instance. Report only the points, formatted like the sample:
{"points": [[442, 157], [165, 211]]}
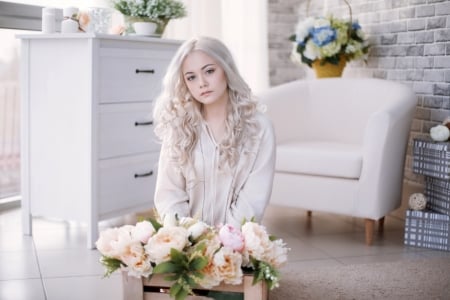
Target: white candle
{"points": [[48, 20]]}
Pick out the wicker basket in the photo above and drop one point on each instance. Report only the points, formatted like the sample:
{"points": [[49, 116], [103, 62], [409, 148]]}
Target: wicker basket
{"points": [[324, 69]]}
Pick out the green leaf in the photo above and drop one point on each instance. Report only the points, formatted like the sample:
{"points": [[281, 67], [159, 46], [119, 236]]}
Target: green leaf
{"points": [[198, 263], [189, 280], [111, 265], [173, 277], [178, 257], [175, 289], [166, 267], [182, 294], [155, 224]]}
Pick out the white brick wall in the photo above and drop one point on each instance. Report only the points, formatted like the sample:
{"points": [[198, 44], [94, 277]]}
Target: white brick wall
{"points": [[410, 43]]}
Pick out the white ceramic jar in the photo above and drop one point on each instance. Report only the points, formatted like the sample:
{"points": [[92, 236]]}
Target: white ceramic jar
{"points": [[69, 25]]}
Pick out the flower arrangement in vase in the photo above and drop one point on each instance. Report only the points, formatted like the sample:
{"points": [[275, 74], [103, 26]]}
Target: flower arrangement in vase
{"points": [[191, 253], [328, 41], [154, 11]]}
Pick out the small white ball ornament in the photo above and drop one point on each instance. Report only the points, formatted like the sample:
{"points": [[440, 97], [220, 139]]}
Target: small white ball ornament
{"points": [[440, 133], [417, 201]]}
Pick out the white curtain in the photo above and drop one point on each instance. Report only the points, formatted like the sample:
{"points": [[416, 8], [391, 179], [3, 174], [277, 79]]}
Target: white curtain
{"points": [[240, 24]]}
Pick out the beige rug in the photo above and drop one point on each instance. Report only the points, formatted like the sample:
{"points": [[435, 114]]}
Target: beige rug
{"points": [[407, 279]]}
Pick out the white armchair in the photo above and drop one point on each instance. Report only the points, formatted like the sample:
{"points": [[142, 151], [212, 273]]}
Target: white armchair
{"points": [[341, 145]]}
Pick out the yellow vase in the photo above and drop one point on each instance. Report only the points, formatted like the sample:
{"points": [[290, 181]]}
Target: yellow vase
{"points": [[325, 69]]}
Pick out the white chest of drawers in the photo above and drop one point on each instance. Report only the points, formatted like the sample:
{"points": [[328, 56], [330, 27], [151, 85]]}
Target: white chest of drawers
{"points": [[88, 149]]}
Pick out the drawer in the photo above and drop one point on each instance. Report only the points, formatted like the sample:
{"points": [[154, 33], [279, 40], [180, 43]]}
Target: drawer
{"points": [[131, 75], [127, 182], [126, 129]]}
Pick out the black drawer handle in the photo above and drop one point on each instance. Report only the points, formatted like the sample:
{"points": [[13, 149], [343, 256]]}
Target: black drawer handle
{"points": [[151, 71], [143, 174], [143, 123]]}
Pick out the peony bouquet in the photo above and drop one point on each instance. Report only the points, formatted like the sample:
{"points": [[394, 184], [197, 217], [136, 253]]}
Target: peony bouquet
{"points": [[193, 253], [327, 39]]}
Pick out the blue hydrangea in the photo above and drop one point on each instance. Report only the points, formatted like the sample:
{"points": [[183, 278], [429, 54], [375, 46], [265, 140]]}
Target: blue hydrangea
{"points": [[322, 36], [356, 26]]}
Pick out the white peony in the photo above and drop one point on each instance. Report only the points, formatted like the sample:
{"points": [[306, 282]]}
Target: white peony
{"points": [[143, 231], [311, 51], [196, 230], [278, 255], [159, 245], [303, 28], [257, 241], [104, 242], [124, 239]]}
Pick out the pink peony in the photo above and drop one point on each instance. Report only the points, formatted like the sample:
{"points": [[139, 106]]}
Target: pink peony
{"points": [[232, 238]]}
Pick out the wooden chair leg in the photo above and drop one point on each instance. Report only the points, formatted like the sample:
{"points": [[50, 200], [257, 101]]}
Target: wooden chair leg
{"points": [[381, 225], [369, 225], [309, 213]]}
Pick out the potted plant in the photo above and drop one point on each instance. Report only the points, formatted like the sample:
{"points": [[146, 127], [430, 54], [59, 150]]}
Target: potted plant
{"points": [[327, 43], [155, 11]]}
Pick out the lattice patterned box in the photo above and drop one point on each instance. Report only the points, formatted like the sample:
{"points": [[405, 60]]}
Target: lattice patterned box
{"points": [[438, 195], [431, 158], [427, 229]]}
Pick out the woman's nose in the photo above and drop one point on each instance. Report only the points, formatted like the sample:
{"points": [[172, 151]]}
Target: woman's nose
{"points": [[203, 82]]}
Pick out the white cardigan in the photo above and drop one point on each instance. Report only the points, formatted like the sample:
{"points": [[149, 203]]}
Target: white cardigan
{"points": [[215, 196]]}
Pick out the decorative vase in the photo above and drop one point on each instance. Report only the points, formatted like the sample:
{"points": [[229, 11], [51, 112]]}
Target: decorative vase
{"points": [[325, 69], [160, 25], [144, 28]]}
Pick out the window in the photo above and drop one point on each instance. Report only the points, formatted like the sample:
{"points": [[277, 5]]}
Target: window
{"points": [[15, 19]]}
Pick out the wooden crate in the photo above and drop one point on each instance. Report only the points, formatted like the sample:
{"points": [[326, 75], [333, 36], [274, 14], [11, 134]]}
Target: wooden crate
{"points": [[156, 288]]}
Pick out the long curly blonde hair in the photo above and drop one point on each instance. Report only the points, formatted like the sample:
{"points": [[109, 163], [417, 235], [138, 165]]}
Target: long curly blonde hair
{"points": [[177, 114]]}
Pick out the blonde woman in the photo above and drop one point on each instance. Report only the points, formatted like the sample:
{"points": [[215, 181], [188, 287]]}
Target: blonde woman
{"points": [[218, 151]]}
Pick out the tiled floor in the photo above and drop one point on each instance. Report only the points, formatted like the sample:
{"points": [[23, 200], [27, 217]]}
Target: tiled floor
{"points": [[54, 264]]}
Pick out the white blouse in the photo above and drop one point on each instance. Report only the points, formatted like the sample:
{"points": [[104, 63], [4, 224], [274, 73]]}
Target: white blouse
{"points": [[219, 196]]}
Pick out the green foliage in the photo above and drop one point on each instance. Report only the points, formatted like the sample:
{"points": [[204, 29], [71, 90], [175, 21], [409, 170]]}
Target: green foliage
{"points": [[184, 270], [151, 9], [263, 271], [111, 265]]}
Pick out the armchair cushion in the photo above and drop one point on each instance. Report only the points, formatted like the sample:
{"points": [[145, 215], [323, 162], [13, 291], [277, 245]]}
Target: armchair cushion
{"points": [[320, 158]]}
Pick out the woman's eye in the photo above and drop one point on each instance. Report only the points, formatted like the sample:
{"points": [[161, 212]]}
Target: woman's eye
{"points": [[190, 78], [210, 71]]}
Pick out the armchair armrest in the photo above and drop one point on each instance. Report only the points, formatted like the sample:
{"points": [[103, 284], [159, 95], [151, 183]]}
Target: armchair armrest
{"points": [[384, 148]]}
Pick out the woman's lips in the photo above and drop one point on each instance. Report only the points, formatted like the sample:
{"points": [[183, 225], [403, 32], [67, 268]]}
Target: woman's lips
{"points": [[205, 93]]}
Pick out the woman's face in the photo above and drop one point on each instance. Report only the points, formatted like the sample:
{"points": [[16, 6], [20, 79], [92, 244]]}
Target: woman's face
{"points": [[204, 78]]}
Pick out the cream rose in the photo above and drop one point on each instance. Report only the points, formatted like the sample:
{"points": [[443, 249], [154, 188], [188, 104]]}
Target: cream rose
{"points": [[159, 245], [136, 260], [228, 265]]}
